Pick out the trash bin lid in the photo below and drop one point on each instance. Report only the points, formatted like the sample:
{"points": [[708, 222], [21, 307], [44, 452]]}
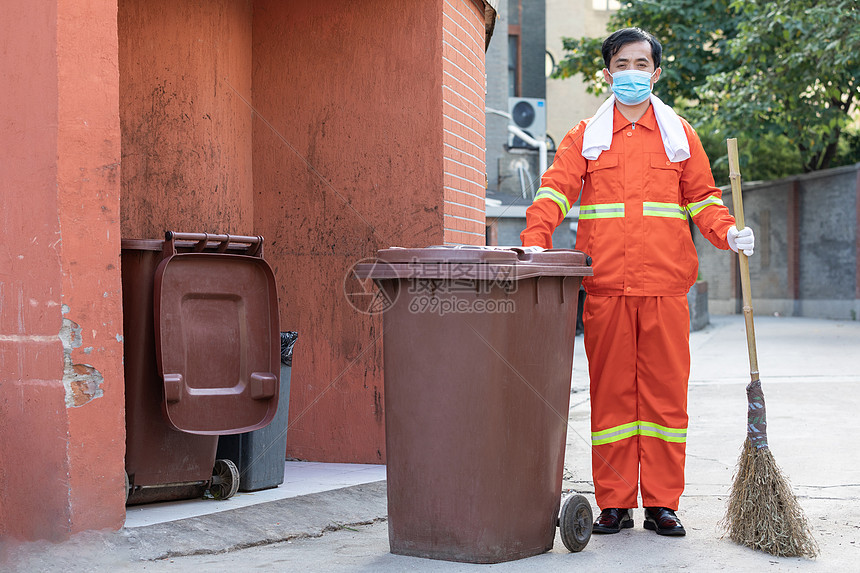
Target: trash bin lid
{"points": [[217, 342], [476, 263]]}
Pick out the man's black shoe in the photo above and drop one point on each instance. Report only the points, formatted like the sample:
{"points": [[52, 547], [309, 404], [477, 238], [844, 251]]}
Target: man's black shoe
{"points": [[613, 520], [663, 521]]}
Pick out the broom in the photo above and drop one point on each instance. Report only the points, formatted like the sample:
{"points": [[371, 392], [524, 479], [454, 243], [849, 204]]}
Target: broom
{"points": [[762, 511]]}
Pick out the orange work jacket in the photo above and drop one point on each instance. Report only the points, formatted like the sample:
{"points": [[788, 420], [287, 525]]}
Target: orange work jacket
{"points": [[635, 204]]}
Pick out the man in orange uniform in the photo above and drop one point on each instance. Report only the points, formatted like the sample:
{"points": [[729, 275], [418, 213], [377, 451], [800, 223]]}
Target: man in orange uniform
{"points": [[642, 172]]}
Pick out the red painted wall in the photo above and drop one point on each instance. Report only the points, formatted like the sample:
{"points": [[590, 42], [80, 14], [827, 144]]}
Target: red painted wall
{"points": [[368, 134], [61, 417], [186, 135], [33, 424], [326, 130], [347, 160], [88, 179]]}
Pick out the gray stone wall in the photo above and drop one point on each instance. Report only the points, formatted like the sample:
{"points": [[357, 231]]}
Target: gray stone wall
{"points": [[509, 229], [811, 217]]}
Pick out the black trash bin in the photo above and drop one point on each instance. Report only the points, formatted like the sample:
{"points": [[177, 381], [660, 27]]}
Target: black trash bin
{"points": [[259, 455], [202, 359]]}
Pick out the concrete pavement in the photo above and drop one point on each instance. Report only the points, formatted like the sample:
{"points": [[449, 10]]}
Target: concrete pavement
{"points": [[811, 378]]}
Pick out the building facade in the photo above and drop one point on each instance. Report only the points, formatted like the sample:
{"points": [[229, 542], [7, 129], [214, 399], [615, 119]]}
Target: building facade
{"points": [[332, 129], [520, 65]]}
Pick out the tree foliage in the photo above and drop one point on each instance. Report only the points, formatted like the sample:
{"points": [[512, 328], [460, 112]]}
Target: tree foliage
{"points": [[773, 74]]}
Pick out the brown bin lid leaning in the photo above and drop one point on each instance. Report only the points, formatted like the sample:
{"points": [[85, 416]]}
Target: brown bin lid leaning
{"points": [[217, 332]]}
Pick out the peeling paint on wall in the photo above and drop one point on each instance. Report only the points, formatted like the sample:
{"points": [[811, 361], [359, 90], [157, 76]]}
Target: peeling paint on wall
{"points": [[82, 382]]}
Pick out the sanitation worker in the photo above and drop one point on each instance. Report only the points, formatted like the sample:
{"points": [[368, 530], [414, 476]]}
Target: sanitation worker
{"points": [[641, 172]]}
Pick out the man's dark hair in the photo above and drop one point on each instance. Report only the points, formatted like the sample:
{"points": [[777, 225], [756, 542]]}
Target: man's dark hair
{"points": [[624, 36]]}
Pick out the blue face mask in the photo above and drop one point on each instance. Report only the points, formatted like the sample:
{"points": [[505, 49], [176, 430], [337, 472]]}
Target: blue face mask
{"points": [[632, 87]]}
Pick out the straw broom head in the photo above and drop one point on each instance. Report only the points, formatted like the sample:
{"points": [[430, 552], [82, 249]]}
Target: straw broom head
{"points": [[762, 511]]}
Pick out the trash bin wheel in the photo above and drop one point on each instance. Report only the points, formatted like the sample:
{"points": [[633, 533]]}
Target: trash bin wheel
{"points": [[225, 480], [575, 523]]}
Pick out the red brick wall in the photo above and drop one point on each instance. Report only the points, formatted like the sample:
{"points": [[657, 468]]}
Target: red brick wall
{"points": [[463, 112]]}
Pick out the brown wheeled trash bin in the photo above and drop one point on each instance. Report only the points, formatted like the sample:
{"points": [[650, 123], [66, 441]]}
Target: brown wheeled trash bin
{"points": [[202, 359], [478, 356]]}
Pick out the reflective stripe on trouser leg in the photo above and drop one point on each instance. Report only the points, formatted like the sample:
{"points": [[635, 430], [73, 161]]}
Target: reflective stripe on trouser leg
{"points": [[663, 370], [638, 391], [610, 345]]}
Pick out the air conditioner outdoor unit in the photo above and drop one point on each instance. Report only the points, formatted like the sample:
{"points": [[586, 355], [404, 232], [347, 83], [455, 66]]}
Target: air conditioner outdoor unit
{"points": [[529, 114]]}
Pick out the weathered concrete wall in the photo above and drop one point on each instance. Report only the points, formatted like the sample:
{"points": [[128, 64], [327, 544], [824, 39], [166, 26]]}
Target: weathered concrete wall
{"points": [[61, 388], [185, 67], [806, 257]]}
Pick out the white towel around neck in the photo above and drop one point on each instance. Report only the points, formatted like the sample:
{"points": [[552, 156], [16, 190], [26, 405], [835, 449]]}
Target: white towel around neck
{"points": [[598, 133]]}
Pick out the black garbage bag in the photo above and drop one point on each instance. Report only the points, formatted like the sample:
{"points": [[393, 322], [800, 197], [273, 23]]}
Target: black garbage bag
{"points": [[288, 340]]}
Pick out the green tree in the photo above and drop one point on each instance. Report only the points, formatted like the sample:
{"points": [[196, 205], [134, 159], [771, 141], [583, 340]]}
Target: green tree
{"points": [[798, 74], [694, 34], [763, 159], [772, 74]]}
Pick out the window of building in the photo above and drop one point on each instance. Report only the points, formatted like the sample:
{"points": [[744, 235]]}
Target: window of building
{"points": [[515, 10], [513, 66]]}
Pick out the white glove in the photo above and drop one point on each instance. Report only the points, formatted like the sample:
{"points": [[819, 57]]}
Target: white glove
{"points": [[743, 240]]}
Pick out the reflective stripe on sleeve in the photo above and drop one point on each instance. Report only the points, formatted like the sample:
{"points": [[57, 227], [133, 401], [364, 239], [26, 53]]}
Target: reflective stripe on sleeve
{"points": [[696, 208], [601, 211], [638, 428], [555, 196], [671, 210]]}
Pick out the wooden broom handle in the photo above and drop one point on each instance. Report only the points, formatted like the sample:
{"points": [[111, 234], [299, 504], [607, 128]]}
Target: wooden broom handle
{"points": [[737, 200]]}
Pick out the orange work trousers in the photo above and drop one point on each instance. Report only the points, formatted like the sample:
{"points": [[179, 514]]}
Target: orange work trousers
{"points": [[638, 352]]}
